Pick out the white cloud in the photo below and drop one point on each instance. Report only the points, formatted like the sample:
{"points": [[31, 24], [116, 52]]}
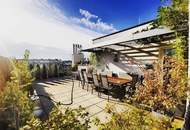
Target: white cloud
{"points": [[33, 24], [37, 51], [96, 24], [87, 14]]}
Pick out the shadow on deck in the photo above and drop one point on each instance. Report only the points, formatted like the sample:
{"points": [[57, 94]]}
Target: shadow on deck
{"points": [[60, 91]]}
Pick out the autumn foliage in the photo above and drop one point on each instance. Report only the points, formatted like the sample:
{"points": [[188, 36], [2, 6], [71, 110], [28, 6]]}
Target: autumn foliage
{"points": [[163, 89], [4, 71]]}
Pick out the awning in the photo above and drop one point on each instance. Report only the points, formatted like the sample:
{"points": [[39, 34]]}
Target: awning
{"points": [[151, 36], [139, 45]]}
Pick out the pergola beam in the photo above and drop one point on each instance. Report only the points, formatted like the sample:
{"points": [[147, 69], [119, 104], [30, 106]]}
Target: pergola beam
{"points": [[139, 52], [120, 54], [139, 49], [142, 56], [142, 48]]}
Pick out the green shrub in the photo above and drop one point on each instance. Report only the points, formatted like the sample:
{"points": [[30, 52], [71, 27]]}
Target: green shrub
{"points": [[15, 105], [134, 119], [69, 119], [74, 67]]}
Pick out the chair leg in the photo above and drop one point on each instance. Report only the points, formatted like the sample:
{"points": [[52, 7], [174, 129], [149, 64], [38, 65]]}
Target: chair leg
{"points": [[87, 87], [92, 88], [79, 83], [108, 96], [98, 92], [82, 84]]}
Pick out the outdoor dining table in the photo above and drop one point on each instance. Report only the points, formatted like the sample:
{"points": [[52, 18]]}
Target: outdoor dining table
{"points": [[118, 84], [114, 80]]}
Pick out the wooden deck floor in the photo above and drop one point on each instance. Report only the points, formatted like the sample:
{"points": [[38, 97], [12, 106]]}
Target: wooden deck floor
{"points": [[60, 91]]}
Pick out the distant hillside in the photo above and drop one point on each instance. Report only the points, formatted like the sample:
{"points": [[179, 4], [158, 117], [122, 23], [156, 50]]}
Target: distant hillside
{"points": [[4, 71]]}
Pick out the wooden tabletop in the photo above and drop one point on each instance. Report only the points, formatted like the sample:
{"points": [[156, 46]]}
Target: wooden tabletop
{"points": [[115, 80], [118, 81]]}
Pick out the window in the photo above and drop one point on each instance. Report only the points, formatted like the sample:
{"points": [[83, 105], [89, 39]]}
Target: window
{"points": [[169, 51]]}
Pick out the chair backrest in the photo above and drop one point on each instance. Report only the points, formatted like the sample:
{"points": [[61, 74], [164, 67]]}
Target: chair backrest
{"points": [[108, 73], [134, 80], [124, 76], [104, 81], [95, 80], [85, 76]]}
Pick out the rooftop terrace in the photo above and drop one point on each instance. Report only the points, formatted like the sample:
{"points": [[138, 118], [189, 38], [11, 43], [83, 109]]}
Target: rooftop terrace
{"points": [[60, 91]]}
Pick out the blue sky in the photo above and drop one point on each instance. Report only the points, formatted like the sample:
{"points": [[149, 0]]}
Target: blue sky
{"points": [[48, 28], [120, 13]]}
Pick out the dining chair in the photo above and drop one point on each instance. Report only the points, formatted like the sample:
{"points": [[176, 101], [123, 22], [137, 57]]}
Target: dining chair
{"points": [[131, 86], [109, 73], [105, 84], [96, 82], [86, 80], [81, 78]]}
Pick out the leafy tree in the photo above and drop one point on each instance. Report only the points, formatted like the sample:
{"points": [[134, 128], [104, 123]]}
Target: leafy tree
{"points": [[175, 16], [93, 59], [67, 119], [24, 75], [74, 67]]}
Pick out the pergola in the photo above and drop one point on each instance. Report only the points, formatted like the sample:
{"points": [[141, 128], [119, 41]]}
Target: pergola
{"points": [[130, 44]]}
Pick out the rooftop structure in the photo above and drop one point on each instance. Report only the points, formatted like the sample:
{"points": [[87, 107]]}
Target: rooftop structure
{"points": [[125, 50], [77, 56], [138, 42]]}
